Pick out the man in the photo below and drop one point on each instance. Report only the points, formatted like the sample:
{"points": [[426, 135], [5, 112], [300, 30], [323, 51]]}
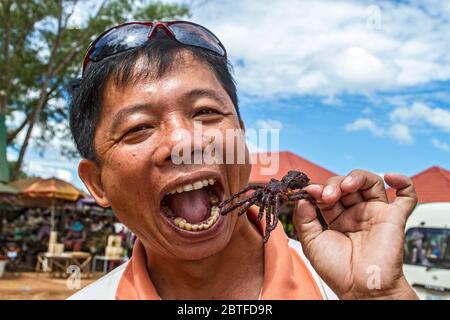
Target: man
{"points": [[144, 84]]}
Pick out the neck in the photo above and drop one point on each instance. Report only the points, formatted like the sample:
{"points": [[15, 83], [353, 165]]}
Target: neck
{"points": [[234, 273]]}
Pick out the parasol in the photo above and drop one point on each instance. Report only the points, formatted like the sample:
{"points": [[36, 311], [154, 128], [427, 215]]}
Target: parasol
{"points": [[6, 189], [8, 200], [52, 189]]}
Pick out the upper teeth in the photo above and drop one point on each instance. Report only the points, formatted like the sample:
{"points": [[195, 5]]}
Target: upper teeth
{"points": [[193, 186]]}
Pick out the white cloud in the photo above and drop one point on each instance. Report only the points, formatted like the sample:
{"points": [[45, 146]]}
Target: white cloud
{"points": [[11, 155], [397, 131], [420, 112], [403, 119], [64, 175], [440, 145], [264, 136], [48, 169], [14, 119], [56, 142], [364, 124], [269, 124], [401, 133], [81, 12], [324, 47]]}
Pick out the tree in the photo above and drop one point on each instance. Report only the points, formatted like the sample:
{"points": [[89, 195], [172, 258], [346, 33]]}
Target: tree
{"points": [[42, 49]]}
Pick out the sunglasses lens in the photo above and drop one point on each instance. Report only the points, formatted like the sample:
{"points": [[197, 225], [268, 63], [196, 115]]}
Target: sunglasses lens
{"points": [[194, 35], [120, 39]]}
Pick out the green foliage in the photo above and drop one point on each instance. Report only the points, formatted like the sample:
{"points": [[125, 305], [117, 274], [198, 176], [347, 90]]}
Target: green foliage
{"points": [[22, 174], [42, 51]]}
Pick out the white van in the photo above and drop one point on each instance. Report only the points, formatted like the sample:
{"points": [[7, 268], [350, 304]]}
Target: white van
{"points": [[427, 251]]}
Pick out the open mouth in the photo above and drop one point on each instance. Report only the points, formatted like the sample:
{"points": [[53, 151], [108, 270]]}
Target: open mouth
{"points": [[193, 206]]}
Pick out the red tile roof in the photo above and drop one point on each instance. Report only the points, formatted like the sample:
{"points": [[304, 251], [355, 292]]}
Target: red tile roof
{"points": [[432, 185], [287, 161]]}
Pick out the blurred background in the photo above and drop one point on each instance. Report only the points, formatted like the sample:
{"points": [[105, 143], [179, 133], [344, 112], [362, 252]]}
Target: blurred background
{"points": [[349, 84]]}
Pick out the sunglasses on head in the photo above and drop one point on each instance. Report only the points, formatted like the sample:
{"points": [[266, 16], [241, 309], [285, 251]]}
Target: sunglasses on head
{"points": [[134, 34]]}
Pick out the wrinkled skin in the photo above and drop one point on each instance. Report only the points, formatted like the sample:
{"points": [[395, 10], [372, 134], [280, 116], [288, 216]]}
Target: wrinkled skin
{"points": [[365, 236], [134, 168]]}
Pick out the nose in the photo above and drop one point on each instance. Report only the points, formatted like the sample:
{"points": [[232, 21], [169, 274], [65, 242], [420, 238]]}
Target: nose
{"points": [[182, 142]]}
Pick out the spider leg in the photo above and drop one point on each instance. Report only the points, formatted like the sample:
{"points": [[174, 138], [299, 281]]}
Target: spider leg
{"points": [[246, 206], [237, 204], [269, 210], [276, 212], [303, 195], [249, 187], [262, 207]]}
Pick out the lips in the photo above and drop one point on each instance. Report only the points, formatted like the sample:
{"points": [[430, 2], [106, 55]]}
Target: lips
{"points": [[192, 206]]}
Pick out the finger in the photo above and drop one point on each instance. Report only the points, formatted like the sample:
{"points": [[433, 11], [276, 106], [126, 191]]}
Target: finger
{"points": [[371, 186], [315, 191], [406, 196], [349, 222], [330, 211], [306, 222], [332, 190], [351, 199]]}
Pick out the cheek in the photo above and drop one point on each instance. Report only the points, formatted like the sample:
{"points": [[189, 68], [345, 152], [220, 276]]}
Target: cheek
{"points": [[238, 176], [230, 138], [235, 156], [130, 193], [126, 179]]}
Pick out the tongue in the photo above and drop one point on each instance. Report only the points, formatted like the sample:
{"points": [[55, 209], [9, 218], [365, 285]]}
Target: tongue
{"points": [[194, 206]]}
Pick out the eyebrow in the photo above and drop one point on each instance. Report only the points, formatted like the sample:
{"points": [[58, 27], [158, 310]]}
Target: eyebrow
{"points": [[204, 93], [144, 107], [126, 112]]}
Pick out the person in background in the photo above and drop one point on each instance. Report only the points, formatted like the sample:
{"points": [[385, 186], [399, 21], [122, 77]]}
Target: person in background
{"points": [[76, 236]]}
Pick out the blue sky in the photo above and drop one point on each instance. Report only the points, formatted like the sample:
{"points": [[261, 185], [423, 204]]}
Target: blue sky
{"points": [[350, 84], [319, 132]]}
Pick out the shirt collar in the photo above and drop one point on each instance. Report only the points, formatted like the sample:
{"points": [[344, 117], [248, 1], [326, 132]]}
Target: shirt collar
{"points": [[285, 274]]}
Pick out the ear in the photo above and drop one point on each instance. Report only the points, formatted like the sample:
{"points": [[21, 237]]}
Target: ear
{"points": [[90, 174]]}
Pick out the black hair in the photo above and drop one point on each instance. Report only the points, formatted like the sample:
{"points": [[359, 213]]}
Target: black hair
{"points": [[163, 53]]}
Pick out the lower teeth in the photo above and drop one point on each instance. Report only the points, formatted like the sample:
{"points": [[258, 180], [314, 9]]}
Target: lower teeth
{"points": [[183, 224]]}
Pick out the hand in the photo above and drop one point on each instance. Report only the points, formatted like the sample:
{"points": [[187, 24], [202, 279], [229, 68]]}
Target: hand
{"points": [[361, 254]]}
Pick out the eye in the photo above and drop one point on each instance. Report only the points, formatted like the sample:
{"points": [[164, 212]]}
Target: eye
{"points": [[137, 129], [206, 111]]}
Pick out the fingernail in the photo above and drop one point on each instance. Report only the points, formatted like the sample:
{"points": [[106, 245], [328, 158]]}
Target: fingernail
{"points": [[328, 191], [348, 180]]}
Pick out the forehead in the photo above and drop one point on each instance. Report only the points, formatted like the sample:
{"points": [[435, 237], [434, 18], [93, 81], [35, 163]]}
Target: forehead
{"points": [[186, 73]]}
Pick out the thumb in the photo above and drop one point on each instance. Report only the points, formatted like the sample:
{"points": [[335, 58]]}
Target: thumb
{"points": [[306, 222], [406, 197]]}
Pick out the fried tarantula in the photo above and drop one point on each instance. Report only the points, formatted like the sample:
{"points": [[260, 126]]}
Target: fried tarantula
{"points": [[269, 198]]}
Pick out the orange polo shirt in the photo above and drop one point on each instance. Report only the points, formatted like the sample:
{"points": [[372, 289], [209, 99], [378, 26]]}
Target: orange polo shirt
{"points": [[285, 274]]}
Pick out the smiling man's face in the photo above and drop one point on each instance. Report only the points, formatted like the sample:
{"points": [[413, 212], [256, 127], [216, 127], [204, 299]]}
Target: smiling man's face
{"points": [[136, 175]]}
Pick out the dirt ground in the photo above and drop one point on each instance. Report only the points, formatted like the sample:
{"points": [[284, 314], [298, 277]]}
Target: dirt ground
{"points": [[33, 286]]}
